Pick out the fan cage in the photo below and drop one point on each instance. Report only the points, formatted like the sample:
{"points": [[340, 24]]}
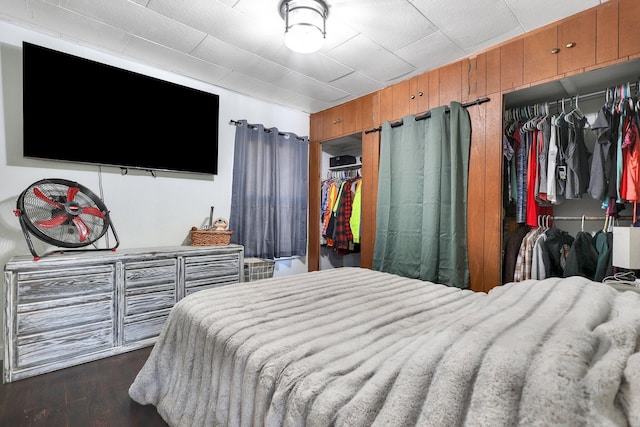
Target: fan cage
{"points": [[75, 206]]}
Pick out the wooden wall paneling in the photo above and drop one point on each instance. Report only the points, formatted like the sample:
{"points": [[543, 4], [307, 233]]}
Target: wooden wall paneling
{"points": [[434, 88], [577, 41], [511, 64], [475, 197], [607, 32], [400, 99], [451, 83], [493, 70], [386, 104], [474, 78], [375, 110], [629, 27], [315, 126], [313, 240], [370, 167], [539, 61], [367, 113], [352, 116], [493, 195]]}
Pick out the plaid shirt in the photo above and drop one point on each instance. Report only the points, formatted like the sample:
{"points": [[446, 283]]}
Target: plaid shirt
{"points": [[342, 232]]}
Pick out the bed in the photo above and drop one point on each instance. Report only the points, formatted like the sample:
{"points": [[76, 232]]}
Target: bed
{"points": [[356, 347]]}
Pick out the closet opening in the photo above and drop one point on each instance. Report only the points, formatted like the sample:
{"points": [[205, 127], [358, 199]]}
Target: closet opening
{"points": [[562, 123], [340, 180]]}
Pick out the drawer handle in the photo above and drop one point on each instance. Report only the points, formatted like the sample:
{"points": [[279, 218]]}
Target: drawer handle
{"points": [[420, 93], [413, 97], [571, 44], [555, 50]]}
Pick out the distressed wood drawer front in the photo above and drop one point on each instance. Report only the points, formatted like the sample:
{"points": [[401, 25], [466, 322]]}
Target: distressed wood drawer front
{"points": [[149, 299], [141, 327], [65, 317], [61, 345], [146, 273], [35, 286], [212, 269]]}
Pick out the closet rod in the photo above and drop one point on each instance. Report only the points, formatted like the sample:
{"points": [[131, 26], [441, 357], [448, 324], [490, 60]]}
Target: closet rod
{"points": [[598, 93], [428, 114], [587, 218], [237, 123]]}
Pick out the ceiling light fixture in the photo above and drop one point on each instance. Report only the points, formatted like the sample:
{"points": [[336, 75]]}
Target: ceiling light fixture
{"points": [[304, 24]]}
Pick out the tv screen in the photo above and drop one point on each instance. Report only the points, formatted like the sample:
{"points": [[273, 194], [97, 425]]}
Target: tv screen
{"points": [[78, 110]]}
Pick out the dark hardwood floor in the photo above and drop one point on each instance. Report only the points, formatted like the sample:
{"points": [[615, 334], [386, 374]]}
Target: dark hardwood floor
{"points": [[93, 394]]}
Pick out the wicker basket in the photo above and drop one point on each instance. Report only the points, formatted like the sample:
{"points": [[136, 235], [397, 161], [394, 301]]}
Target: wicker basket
{"points": [[210, 237]]}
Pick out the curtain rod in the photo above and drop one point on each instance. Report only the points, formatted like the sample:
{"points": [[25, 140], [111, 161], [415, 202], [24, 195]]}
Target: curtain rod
{"points": [[236, 123], [428, 114]]}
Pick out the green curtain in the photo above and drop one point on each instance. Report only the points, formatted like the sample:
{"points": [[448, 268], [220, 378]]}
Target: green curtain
{"points": [[422, 197]]}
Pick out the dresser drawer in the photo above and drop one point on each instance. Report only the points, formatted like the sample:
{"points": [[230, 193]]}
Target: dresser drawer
{"points": [[143, 326], [61, 345], [148, 299], [150, 273], [211, 270], [98, 310], [47, 285]]}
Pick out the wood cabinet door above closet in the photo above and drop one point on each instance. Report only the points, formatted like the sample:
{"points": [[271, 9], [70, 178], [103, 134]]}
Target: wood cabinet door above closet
{"points": [[406, 97], [629, 27], [577, 42], [332, 122], [568, 46]]}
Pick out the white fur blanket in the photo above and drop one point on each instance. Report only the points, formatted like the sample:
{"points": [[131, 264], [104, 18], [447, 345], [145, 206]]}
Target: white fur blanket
{"points": [[355, 347]]}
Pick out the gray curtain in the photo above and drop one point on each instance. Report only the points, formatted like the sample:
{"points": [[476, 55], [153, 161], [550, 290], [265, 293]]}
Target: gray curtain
{"points": [[269, 192], [421, 227]]}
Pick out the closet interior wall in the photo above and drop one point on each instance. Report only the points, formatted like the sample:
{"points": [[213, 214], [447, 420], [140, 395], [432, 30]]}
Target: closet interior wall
{"points": [[350, 145]]}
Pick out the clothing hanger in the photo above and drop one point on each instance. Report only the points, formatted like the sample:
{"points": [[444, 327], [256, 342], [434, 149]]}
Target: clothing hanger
{"points": [[560, 115], [545, 116]]}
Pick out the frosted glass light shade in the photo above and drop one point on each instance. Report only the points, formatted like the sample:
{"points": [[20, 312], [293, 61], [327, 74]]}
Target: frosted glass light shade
{"points": [[626, 247], [304, 24]]}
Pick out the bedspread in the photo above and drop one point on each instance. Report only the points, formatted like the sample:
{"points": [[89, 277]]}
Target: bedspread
{"points": [[356, 347]]}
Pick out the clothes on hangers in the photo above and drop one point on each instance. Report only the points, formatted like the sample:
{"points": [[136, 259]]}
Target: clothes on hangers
{"points": [[552, 164], [340, 212]]}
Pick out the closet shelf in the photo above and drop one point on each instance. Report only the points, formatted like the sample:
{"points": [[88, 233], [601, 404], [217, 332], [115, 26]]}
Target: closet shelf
{"points": [[346, 167]]}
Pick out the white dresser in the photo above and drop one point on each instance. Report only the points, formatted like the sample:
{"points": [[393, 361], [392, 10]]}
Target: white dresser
{"points": [[70, 308]]}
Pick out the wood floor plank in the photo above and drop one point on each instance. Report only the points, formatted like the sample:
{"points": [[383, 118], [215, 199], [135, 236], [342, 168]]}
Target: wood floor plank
{"points": [[93, 394]]}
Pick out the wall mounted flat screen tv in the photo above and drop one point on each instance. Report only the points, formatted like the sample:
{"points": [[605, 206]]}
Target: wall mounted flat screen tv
{"points": [[78, 110]]}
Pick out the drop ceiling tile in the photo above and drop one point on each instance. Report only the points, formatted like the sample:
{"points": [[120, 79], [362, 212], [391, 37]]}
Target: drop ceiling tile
{"points": [[76, 28], [431, 51], [533, 15], [219, 52], [220, 21], [401, 24], [474, 23], [297, 82], [357, 84], [128, 16], [175, 61], [318, 66], [16, 9], [256, 89], [362, 54]]}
